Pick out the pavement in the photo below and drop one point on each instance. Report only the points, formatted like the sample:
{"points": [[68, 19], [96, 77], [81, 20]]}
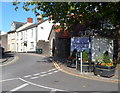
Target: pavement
{"points": [[7, 58], [60, 63]]}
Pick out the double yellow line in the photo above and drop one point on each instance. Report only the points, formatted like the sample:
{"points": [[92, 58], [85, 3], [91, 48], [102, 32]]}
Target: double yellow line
{"points": [[79, 75]]}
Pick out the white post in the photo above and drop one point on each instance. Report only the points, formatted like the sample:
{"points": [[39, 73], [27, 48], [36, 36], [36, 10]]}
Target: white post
{"points": [[81, 62], [76, 60]]}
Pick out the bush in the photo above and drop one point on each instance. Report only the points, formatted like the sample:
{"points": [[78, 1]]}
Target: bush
{"points": [[85, 56]]}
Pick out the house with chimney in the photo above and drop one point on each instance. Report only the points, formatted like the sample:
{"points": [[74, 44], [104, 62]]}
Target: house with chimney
{"points": [[34, 36], [22, 35]]}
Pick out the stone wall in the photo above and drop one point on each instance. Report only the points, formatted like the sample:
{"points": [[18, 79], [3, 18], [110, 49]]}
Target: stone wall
{"points": [[62, 47], [44, 45]]}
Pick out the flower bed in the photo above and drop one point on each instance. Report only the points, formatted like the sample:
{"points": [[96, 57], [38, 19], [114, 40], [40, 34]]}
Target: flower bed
{"points": [[105, 66]]}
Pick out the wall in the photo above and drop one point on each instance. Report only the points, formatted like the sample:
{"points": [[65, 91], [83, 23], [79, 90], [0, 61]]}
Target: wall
{"points": [[44, 30], [31, 40], [44, 45], [28, 36], [62, 47], [11, 42], [51, 42], [4, 42]]}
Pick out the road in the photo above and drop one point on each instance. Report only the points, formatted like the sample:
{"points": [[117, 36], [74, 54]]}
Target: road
{"points": [[37, 73]]}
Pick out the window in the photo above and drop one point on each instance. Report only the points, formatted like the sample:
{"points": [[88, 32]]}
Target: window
{"points": [[26, 34], [31, 32], [17, 35], [21, 35], [41, 27], [31, 45]]}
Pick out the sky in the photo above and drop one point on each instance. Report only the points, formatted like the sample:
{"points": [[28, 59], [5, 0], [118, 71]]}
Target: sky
{"points": [[8, 15]]}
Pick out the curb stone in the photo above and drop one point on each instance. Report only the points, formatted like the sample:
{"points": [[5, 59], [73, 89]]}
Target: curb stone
{"points": [[74, 72]]}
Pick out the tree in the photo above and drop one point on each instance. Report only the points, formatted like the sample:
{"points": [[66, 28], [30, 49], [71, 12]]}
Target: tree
{"points": [[69, 14]]}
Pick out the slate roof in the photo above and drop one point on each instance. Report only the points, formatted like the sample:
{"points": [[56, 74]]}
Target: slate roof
{"points": [[18, 22], [11, 31], [34, 25]]}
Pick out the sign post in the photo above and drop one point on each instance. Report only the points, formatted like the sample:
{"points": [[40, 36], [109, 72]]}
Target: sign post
{"points": [[81, 61]]}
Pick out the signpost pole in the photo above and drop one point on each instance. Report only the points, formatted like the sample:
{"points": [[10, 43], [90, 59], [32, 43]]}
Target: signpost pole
{"points": [[81, 61], [76, 60]]}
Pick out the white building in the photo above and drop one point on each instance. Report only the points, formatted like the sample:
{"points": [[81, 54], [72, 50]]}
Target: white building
{"points": [[28, 37], [20, 35]]}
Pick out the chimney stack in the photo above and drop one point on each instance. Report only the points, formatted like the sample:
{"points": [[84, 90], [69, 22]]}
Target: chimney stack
{"points": [[30, 20]]}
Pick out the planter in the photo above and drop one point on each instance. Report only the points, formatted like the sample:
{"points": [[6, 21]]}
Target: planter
{"points": [[87, 67], [104, 71], [71, 63]]}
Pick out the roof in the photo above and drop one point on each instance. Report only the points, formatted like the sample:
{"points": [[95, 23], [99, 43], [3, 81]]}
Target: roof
{"points": [[18, 22], [34, 25], [12, 31]]}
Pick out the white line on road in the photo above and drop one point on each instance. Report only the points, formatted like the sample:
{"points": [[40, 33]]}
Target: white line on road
{"points": [[49, 73], [52, 69], [41, 86], [52, 91], [40, 73], [56, 71], [8, 79], [22, 86], [36, 74], [34, 77], [27, 76], [43, 72]]}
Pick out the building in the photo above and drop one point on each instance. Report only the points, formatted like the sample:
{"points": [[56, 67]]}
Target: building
{"points": [[59, 42], [4, 42], [12, 36], [28, 39], [22, 35]]}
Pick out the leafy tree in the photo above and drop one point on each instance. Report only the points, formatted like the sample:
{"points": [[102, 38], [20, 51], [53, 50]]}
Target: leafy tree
{"points": [[69, 14]]}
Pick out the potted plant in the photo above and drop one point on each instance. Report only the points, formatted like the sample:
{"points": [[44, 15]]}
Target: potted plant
{"points": [[105, 66], [71, 61], [87, 65]]}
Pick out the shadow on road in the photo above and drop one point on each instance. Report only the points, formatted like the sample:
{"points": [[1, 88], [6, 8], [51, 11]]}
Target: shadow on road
{"points": [[8, 55]]}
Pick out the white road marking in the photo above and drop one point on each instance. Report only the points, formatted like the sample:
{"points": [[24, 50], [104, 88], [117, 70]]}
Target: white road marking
{"points": [[36, 74], [40, 73], [52, 69], [52, 91], [49, 73], [22, 86], [8, 79], [56, 71], [28, 76], [41, 85], [43, 72], [43, 75], [34, 77]]}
